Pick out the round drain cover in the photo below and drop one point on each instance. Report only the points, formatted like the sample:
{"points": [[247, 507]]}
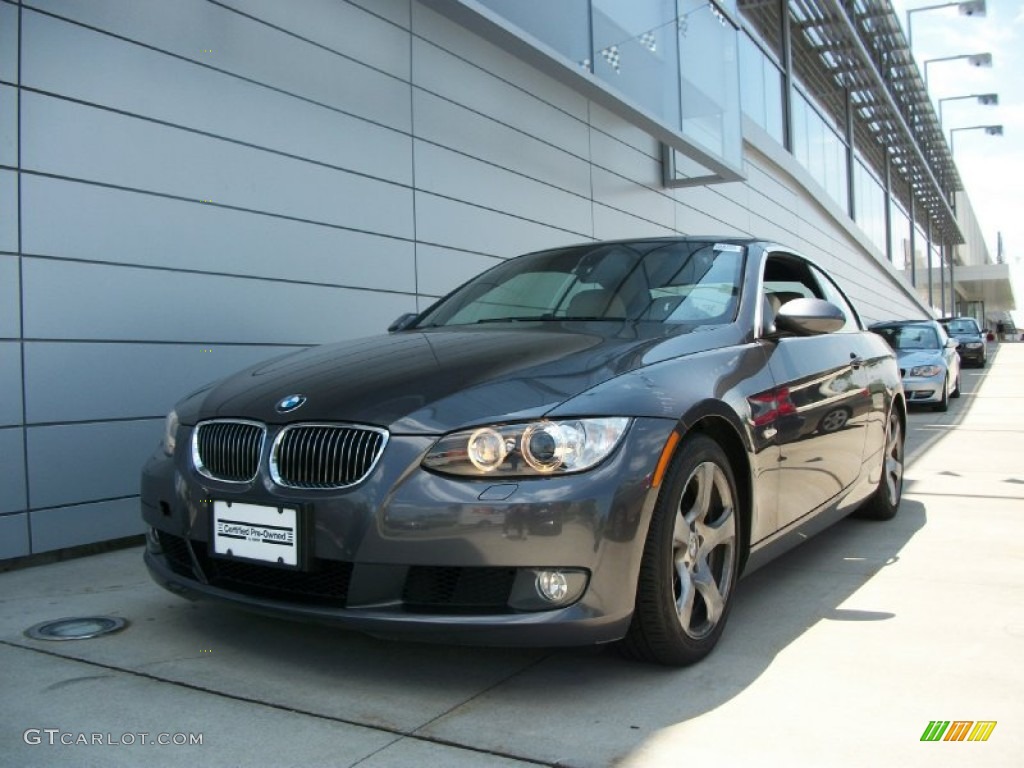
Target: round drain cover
{"points": [[76, 628]]}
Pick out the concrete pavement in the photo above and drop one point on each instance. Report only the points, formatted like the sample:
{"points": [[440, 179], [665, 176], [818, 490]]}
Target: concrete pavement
{"points": [[840, 653]]}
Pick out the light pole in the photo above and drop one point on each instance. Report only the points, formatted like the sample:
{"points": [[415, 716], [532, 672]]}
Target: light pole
{"points": [[985, 99], [967, 8], [991, 130], [974, 59]]}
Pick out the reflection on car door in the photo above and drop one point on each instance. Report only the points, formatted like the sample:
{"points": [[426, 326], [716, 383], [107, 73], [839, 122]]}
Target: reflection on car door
{"points": [[823, 404], [821, 426]]}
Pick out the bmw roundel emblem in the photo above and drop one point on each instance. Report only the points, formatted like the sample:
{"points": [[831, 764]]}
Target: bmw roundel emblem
{"points": [[290, 403]]}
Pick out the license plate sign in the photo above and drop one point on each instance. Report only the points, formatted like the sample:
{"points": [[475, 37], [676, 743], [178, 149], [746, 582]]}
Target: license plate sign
{"points": [[256, 532]]}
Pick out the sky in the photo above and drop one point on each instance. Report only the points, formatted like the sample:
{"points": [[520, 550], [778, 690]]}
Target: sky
{"points": [[991, 167]]}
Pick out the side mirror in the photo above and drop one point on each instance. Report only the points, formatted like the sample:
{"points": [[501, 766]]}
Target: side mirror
{"points": [[403, 322], [952, 343], [809, 317]]}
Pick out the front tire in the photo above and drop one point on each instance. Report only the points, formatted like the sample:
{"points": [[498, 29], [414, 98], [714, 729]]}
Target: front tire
{"points": [[885, 501], [691, 559], [943, 404], [956, 389]]}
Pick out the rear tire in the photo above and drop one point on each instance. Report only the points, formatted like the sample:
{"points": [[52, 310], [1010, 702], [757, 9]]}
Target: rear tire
{"points": [[691, 559], [885, 501]]}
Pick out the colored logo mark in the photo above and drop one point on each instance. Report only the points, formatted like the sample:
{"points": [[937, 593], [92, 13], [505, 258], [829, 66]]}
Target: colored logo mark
{"points": [[290, 403], [958, 730]]}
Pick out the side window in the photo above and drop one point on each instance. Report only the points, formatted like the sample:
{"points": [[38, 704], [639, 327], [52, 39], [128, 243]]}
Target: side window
{"points": [[832, 294], [785, 278]]}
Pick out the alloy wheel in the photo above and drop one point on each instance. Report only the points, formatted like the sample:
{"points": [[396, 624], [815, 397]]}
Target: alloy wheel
{"points": [[703, 550], [894, 459]]}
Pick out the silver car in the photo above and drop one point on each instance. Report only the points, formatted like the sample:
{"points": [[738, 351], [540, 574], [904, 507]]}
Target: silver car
{"points": [[928, 358]]}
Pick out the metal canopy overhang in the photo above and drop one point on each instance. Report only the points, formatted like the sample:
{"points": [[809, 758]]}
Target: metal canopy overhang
{"points": [[492, 27], [991, 283], [854, 52]]}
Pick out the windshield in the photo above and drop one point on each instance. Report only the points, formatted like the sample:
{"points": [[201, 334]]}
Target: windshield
{"points": [[695, 283], [967, 327], [910, 337]]}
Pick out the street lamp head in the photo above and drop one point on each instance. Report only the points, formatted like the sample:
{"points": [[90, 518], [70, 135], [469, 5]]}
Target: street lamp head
{"points": [[972, 8], [988, 99], [980, 60], [994, 130]]}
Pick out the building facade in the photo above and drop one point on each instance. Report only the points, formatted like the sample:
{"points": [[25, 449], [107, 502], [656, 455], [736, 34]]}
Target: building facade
{"points": [[189, 187]]}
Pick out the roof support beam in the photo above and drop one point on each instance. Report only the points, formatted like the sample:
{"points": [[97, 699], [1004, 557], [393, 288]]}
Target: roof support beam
{"points": [[836, 10]]}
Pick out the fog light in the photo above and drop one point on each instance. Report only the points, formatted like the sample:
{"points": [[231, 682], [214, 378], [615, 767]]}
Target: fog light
{"points": [[546, 589], [552, 585]]}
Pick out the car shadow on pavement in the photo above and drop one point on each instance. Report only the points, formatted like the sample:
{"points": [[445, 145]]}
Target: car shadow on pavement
{"points": [[523, 702]]}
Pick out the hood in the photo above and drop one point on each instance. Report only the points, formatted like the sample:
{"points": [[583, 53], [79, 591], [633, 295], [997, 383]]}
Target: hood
{"points": [[440, 379], [910, 358]]}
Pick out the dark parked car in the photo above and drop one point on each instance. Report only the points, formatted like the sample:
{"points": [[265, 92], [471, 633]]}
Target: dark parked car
{"points": [[929, 362], [582, 445], [969, 339]]}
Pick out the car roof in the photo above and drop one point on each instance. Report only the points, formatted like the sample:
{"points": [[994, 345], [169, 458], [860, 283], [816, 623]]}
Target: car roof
{"points": [[729, 239], [898, 323]]}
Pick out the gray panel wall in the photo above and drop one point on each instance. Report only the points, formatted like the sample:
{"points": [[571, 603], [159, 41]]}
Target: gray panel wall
{"points": [[14, 531], [200, 186]]}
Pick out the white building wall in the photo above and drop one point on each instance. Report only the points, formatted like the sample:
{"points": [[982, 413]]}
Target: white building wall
{"points": [[188, 188]]}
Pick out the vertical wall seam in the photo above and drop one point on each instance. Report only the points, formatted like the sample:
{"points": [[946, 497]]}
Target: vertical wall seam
{"points": [[412, 170], [21, 288], [590, 168]]}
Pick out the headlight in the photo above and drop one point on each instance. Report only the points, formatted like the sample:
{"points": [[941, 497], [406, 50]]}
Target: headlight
{"points": [[974, 345], [926, 370], [170, 430], [537, 448]]}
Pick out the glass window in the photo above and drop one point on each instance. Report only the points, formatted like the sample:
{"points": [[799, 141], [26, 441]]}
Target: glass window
{"points": [[760, 87], [800, 110], [837, 171], [832, 293], [773, 101], [752, 87], [963, 325], [564, 25], [819, 149], [869, 209], [919, 254], [688, 283], [923, 336], [675, 61], [708, 65], [636, 51], [900, 237]]}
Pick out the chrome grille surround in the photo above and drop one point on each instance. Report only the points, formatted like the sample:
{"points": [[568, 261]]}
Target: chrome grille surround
{"points": [[228, 450], [325, 456]]}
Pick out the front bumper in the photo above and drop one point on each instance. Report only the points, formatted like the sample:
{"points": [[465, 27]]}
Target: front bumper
{"points": [[924, 390], [974, 355], [414, 553]]}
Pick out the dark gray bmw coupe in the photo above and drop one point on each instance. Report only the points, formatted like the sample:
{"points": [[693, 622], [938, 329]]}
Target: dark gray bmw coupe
{"points": [[582, 445]]}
